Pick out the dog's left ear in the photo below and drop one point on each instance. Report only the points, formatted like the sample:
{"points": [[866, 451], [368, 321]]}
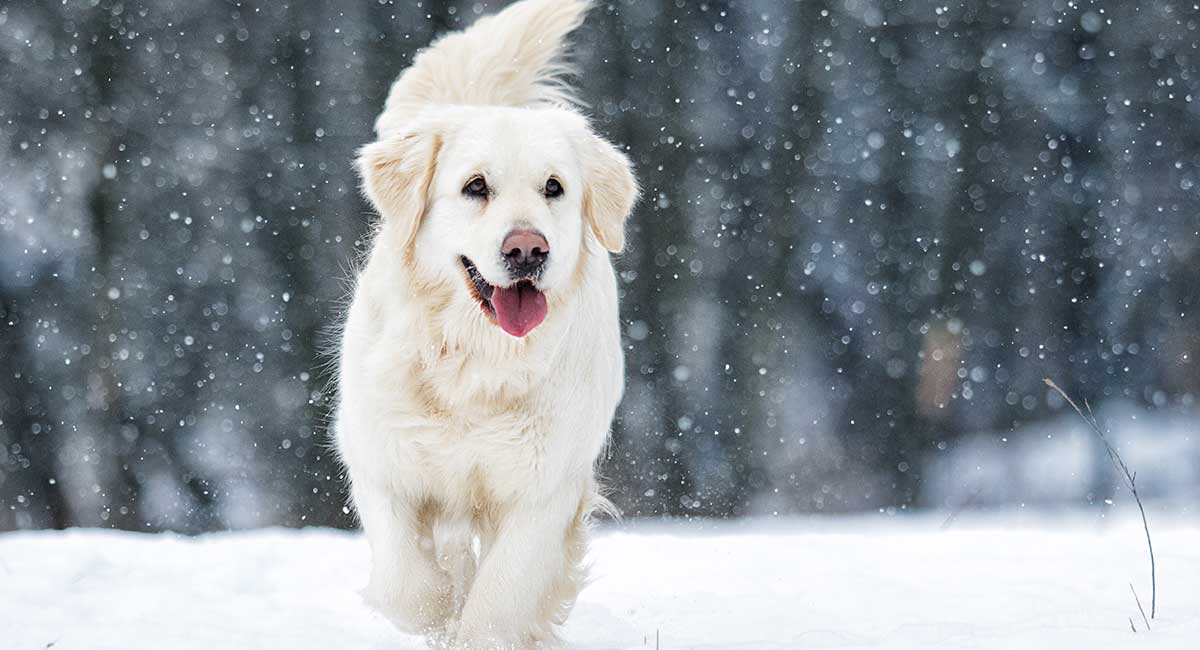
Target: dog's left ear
{"points": [[397, 171], [609, 192]]}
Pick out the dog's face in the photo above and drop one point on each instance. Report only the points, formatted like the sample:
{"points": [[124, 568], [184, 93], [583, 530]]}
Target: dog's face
{"points": [[499, 204]]}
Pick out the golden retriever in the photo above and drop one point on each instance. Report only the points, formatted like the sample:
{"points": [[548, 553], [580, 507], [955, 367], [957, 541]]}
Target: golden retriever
{"points": [[480, 360]]}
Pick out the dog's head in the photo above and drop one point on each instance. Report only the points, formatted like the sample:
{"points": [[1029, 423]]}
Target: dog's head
{"points": [[499, 204]]}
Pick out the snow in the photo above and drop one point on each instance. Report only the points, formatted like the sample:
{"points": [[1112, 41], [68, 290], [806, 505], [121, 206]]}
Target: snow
{"points": [[1011, 581]]}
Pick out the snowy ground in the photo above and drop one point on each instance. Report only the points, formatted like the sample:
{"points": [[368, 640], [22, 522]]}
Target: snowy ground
{"points": [[987, 582]]}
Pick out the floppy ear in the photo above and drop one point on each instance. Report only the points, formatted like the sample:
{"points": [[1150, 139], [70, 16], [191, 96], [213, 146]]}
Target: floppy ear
{"points": [[397, 172], [609, 193]]}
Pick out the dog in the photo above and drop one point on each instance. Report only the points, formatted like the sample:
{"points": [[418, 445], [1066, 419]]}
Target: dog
{"points": [[480, 360]]}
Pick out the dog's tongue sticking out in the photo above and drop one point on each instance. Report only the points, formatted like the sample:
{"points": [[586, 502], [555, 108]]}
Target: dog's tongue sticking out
{"points": [[519, 308]]}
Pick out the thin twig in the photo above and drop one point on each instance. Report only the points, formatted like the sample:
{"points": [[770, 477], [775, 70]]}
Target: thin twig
{"points": [[1139, 604], [1130, 483], [967, 503], [1131, 625]]}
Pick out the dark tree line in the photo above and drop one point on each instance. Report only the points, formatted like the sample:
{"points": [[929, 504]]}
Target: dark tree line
{"points": [[868, 228]]}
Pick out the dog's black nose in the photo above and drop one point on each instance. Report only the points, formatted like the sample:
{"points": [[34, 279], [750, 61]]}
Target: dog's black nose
{"points": [[525, 252]]}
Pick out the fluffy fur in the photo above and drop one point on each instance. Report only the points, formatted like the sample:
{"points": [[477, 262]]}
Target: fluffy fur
{"points": [[471, 452]]}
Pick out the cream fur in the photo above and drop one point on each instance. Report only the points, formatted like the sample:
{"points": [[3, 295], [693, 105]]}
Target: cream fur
{"points": [[471, 453]]}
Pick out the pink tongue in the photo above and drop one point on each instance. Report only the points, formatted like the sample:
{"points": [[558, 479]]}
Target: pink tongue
{"points": [[519, 308]]}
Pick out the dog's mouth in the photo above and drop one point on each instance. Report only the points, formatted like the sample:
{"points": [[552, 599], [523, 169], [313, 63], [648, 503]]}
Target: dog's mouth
{"points": [[517, 309]]}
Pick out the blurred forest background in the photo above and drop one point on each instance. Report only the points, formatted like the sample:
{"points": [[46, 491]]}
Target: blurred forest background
{"points": [[870, 228]]}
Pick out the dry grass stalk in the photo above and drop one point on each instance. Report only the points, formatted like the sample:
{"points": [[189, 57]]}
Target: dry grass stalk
{"points": [[1130, 483], [1139, 604]]}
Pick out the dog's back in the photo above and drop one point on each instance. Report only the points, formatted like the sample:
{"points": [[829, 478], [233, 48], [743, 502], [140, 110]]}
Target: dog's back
{"points": [[514, 58]]}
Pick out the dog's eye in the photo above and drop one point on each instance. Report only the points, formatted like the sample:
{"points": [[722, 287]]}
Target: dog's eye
{"points": [[476, 187], [553, 188]]}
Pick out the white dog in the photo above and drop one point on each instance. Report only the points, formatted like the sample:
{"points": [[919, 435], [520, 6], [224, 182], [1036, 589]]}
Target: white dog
{"points": [[481, 359]]}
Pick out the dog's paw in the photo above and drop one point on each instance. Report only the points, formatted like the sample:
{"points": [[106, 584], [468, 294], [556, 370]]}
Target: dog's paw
{"points": [[467, 638], [422, 612], [443, 638]]}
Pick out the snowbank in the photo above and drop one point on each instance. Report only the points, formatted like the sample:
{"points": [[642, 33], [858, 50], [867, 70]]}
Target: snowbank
{"points": [[860, 582]]}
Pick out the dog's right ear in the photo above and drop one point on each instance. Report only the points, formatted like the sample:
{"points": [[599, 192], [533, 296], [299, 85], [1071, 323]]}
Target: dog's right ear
{"points": [[397, 171]]}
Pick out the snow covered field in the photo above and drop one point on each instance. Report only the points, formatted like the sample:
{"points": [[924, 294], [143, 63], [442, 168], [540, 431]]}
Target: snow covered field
{"points": [[882, 582]]}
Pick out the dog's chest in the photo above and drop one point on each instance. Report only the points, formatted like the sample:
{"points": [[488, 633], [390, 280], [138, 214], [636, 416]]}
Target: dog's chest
{"points": [[504, 421], [487, 451]]}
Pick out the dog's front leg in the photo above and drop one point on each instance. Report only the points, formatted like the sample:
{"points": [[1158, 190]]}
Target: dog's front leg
{"points": [[406, 584], [530, 575]]}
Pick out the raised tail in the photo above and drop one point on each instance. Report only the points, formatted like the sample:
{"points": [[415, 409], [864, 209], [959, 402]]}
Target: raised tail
{"points": [[512, 58]]}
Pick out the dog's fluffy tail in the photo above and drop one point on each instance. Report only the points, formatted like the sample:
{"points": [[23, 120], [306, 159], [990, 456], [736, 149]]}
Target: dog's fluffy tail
{"points": [[513, 58]]}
